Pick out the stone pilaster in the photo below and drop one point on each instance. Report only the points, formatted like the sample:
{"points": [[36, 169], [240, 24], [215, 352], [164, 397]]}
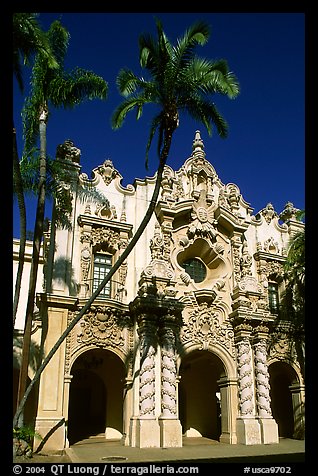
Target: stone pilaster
{"points": [[228, 390], [298, 399]]}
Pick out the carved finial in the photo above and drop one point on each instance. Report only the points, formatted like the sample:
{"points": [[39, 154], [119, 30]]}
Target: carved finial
{"points": [[107, 171], [68, 151], [198, 142], [289, 212], [268, 213]]}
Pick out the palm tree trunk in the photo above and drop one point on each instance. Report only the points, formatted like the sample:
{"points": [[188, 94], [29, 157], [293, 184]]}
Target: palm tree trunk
{"points": [[22, 212], [38, 232], [162, 161]]}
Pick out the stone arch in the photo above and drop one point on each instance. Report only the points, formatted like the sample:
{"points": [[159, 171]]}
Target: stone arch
{"points": [[82, 349], [95, 405], [226, 359], [207, 393], [287, 397]]}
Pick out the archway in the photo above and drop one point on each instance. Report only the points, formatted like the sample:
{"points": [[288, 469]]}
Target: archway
{"points": [[96, 396], [199, 394], [282, 377]]}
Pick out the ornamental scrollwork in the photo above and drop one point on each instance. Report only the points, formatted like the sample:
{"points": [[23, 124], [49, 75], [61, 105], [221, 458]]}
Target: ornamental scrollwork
{"points": [[103, 326], [203, 327]]}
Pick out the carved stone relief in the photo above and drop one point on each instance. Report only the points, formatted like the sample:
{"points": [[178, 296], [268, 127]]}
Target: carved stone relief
{"points": [[202, 326], [103, 326], [245, 373], [262, 379]]}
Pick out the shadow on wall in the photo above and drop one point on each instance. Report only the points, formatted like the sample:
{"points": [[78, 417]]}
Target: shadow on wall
{"points": [[64, 273]]}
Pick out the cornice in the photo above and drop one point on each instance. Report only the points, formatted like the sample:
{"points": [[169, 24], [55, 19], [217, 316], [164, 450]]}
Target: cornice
{"points": [[229, 221], [264, 255], [97, 221]]}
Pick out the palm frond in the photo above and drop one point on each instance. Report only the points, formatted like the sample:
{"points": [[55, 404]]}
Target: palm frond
{"points": [[70, 89], [28, 40]]}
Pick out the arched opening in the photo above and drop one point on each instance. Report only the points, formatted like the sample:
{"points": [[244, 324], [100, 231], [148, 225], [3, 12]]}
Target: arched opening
{"points": [[199, 394], [96, 396], [282, 376]]}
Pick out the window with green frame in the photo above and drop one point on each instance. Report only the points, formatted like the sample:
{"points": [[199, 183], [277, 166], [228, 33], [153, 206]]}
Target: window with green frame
{"points": [[102, 265], [195, 269]]}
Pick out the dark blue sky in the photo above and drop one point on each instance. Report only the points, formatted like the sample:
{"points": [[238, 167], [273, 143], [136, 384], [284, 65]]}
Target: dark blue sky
{"points": [[264, 153]]}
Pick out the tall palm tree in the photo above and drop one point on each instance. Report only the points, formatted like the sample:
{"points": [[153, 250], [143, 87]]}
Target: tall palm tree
{"points": [[28, 39], [58, 88], [179, 81]]}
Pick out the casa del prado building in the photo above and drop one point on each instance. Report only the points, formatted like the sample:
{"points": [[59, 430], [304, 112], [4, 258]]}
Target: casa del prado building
{"points": [[179, 342]]}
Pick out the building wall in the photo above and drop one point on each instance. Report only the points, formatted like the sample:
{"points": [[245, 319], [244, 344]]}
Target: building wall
{"points": [[20, 318], [193, 348]]}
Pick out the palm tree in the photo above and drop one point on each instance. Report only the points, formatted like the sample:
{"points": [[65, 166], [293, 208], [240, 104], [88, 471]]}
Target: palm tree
{"points": [[291, 317], [28, 39], [292, 305], [180, 81], [60, 89]]}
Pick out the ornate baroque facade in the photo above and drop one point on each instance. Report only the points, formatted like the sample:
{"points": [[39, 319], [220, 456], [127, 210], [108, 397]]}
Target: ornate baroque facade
{"points": [[179, 343]]}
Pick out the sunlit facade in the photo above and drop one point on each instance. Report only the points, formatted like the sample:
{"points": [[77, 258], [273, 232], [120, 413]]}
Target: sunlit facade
{"points": [[179, 342]]}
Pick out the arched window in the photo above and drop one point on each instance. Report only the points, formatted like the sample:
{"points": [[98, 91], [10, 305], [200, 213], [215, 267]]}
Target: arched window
{"points": [[195, 269]]}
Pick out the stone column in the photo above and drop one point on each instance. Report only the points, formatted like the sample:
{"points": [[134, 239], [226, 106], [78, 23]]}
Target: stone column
{"points": [[298, 400], [127, 410], [269, 428], [148, 433], [248, 429], [228, 391], [170, 426], [67, 386]]}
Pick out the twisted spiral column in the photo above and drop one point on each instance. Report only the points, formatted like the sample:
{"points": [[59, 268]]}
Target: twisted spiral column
{"points": [[262, 379], [245, 377], [168, 373], [147, 335]]}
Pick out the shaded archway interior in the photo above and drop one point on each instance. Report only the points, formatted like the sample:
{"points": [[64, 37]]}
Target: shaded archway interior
{"points": [[282, 376], [199, 394], [96, 396]]}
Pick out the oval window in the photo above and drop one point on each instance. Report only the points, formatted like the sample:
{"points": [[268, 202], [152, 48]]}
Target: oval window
{"points": [[195, 269]]}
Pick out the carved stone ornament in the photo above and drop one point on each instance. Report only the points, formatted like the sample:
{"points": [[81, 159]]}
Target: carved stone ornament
{"points": [[246, 261], [107, 171], [68, 151], [103, 327], [203, 223], [203, 327], [85, 262], [147, 377], [262, 379], [282, 347], [289, 212], [271, 246], [105, 234], [268, 213], [244, 370], [249, 283]]}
